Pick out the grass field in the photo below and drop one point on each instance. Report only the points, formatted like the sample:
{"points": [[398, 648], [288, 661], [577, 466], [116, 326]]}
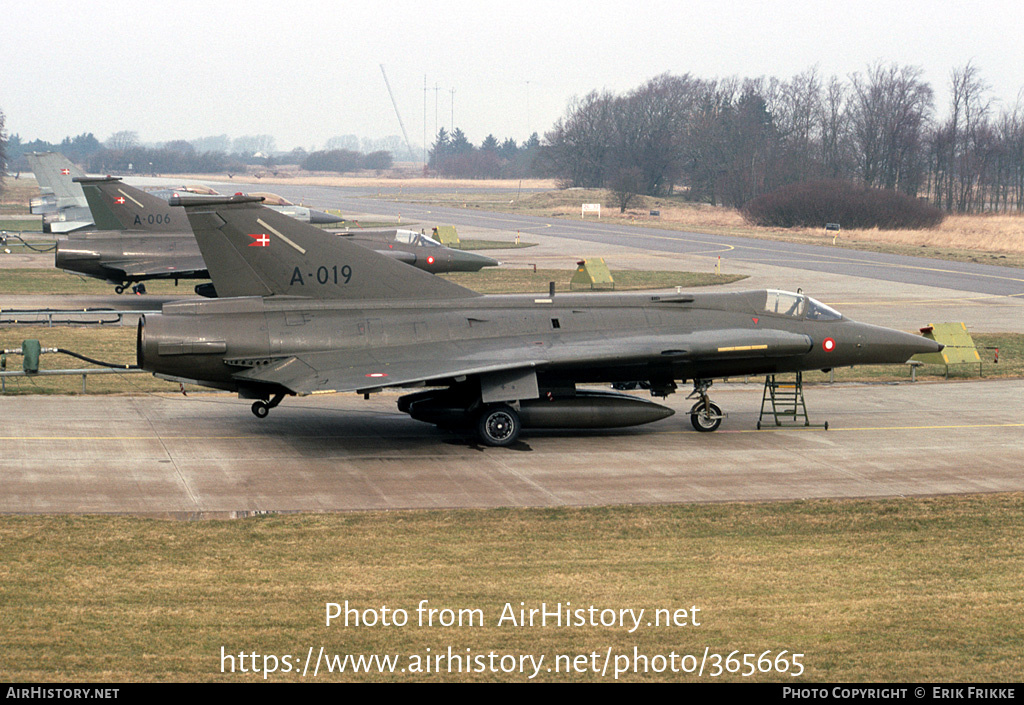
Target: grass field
{"points": [[493, 245], [35, 225], [489, 281], [889, 590], [54, 281], [16, 196]]}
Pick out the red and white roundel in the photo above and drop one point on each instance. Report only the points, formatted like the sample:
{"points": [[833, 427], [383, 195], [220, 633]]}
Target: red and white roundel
{"points": [[828, 345]]}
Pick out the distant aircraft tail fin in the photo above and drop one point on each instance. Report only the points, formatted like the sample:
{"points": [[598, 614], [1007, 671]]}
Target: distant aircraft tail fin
{"points": [[54, 173], [251, 250], [123, 207]]}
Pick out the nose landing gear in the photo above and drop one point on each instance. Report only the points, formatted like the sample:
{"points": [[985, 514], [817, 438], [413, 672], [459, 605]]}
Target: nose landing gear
{"points": [[262, 407], [705, 416]]}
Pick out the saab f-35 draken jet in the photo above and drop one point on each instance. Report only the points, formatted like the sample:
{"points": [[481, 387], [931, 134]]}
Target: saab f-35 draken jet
{"points": [[141, 237], [309, 315]]}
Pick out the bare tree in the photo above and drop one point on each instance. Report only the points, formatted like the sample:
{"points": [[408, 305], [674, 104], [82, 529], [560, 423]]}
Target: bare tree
{"points": [[213, 143], [626, 185], [650, 131], [250, 145], [889, 111], [579, 145], [705, 144], [835, 134], [349, 142], [123, 140], [1011, 135], [751, 139], [798, 119], [969, 110]]}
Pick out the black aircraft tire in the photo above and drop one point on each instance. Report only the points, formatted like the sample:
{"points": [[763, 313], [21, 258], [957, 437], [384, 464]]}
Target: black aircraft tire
{"points": [[499, 426], [701, 420], [261, 409]]}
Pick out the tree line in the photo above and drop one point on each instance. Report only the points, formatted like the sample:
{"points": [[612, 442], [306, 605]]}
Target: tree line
{"points": [[729, 141], [453, 156], [720, 141], [122, 152]]}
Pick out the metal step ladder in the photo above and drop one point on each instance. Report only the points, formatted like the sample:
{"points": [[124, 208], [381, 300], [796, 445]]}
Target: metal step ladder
{"points": [[786, 402]]}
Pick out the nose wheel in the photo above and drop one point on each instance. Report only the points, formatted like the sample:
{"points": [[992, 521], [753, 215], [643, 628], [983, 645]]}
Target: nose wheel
{"points": [[705, 416], [262, 407]]}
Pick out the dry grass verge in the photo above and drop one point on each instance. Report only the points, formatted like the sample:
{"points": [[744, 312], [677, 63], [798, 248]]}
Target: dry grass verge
{"points": [[901, 590]]}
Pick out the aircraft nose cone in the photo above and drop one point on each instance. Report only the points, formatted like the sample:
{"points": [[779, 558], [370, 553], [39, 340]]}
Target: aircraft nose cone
{"points": [[470, 261], [926, 345], [896, 346], [320, 218]]}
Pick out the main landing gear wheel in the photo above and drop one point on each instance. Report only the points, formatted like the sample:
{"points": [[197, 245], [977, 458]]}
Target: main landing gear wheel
{"points": [[119, 289], [499, 426], [706, 417]]}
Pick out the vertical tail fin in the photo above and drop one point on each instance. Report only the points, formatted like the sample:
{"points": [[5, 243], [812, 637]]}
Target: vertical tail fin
{"points": [[118, 206], [55, 172], [251, 250]]}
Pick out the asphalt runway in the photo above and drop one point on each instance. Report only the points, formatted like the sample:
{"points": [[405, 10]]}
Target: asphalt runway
{"points": [[205, 455]]}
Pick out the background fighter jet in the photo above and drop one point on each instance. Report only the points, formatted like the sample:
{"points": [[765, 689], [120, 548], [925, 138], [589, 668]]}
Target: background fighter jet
{"points": [[408, 246], [270, 200], [142, 238], [317, 315], [62, 203], [138, 238]]}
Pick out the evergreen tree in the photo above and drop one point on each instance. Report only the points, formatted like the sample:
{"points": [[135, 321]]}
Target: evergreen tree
{"points": [[490, 144], [441, 149], [460, 145]]}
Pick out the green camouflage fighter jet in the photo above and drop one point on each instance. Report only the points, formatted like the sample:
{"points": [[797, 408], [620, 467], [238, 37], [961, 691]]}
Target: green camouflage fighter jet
{"points": [[140, 237], [309, 314]]}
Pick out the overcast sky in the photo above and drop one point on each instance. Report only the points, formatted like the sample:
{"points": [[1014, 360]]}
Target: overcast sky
{"points": [[304, 71]]}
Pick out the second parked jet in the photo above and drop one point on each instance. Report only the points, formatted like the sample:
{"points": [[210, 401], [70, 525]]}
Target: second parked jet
{"points": [[141, 237]]}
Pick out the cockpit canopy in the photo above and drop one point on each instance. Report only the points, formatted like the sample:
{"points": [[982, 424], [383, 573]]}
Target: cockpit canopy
{"points": [[272, 199], [786, 303], [411, 237]]}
